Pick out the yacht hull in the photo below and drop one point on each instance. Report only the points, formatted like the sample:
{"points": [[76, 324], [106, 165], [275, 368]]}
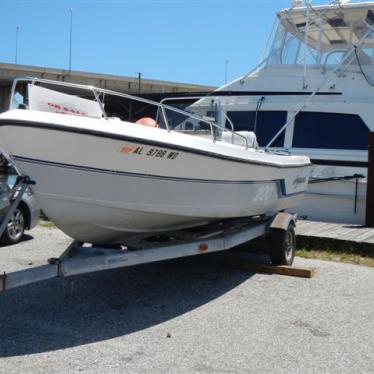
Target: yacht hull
{"points": [[342, 201]]}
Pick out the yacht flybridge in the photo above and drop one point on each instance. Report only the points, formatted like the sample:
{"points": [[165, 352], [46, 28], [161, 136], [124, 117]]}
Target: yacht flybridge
{"points": [[313, 94], [110, 166]]}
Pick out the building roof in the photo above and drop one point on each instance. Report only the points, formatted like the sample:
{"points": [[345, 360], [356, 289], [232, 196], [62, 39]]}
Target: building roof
{"points": [[8, 72]]}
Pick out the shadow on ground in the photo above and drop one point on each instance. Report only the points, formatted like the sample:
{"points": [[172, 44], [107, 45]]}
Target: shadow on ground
{"points": [[25, 238], [41, 317]]}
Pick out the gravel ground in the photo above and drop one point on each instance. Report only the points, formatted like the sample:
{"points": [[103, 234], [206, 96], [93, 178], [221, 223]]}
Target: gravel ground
{"points": [[191, 315]]}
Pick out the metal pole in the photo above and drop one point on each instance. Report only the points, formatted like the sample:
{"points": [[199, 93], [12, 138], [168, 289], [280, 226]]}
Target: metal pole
{"points": [[306, 42], [370, 184], [16, 56], [226, 65], [71, 36], [139, 82]]}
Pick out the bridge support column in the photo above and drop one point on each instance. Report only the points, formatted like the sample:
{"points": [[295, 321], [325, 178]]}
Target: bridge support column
{"points": [[4, 97]]}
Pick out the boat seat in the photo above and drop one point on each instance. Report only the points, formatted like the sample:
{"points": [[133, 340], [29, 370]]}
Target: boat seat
{"points": [[229, 137]]}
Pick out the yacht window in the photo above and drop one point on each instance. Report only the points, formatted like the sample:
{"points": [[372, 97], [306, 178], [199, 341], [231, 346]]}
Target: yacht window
{"points": [[331, 36], [330, 131], [370, 17], [267, 125], [291, 51], [337, 22], [288, 49]]}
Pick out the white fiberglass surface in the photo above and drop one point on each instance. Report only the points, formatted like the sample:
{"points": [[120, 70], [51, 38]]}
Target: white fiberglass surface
{"points": [[121, 128], [117, 108]]}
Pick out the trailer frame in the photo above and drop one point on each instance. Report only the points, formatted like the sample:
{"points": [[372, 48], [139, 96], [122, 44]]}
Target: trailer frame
{"points": [[80, 258]]}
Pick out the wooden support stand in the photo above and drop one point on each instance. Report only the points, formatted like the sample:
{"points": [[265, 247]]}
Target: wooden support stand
{"points": [[244, 264]]}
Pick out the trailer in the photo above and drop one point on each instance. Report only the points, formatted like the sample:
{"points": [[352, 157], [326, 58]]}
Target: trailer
{"points": [[277, 229]]}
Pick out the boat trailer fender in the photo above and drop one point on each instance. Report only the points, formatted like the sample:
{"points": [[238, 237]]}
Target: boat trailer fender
{"points": [[283, 220]]}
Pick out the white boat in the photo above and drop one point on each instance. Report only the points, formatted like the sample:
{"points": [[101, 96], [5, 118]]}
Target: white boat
{"points": [[313, 94], [101, 177]]}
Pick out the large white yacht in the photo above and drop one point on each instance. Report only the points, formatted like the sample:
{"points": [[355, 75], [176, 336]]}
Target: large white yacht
{"points": [[316, 82]]}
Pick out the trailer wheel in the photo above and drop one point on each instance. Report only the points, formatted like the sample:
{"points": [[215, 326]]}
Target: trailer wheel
{"points": [[283, 245]]}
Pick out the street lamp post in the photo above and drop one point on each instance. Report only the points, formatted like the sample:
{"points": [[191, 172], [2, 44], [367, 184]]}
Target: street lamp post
{"points": [[139, 82], [16, 56], [71, 36], [226, 66]]}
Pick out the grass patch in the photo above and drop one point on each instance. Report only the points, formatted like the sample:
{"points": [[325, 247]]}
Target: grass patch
{"points": [[47, 224], [347, 256]]}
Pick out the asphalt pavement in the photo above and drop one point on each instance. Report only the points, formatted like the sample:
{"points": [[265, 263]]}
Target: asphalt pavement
{"points": [[192, 315]]}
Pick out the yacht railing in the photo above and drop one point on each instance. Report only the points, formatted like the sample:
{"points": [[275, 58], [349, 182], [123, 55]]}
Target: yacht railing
{"points": [[97, 92], [257, 67], [328, 55]]}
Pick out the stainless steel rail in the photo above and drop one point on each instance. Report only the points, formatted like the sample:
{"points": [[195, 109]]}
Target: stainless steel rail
{"points": [[232, 131], [98, 91]]}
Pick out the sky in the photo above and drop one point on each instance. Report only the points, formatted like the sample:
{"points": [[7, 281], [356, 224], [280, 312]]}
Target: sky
{"points": [[185, 41]]}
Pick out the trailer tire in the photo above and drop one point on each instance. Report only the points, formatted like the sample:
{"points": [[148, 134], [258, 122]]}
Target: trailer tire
{"points": [[283, 245]]}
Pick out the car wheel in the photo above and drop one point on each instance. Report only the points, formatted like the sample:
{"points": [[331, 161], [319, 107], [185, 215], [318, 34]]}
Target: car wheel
{"points": [[16, 226]]}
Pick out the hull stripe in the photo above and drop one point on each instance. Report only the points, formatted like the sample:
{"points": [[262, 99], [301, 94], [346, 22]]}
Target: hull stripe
{"points": [[359, 164], [269, 93], [136, 175], [279, 182]]}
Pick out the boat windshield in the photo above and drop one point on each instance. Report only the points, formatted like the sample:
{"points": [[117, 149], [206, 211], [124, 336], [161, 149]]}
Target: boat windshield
{"points": [[323, 36]]}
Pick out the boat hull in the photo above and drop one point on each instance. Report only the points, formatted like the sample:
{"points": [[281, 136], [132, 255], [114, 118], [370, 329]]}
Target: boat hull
{"points": [[121, 205], [104, 189]]}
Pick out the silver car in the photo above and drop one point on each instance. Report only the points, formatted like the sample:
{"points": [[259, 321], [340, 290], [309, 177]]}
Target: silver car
{"points": [[25, 217]]}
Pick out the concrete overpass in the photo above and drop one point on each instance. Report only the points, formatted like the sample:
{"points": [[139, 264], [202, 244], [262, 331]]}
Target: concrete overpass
{"points": [[132, 85]]}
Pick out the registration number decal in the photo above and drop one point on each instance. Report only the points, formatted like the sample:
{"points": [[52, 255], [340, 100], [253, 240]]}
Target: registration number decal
{"points": [[149, 152]]}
